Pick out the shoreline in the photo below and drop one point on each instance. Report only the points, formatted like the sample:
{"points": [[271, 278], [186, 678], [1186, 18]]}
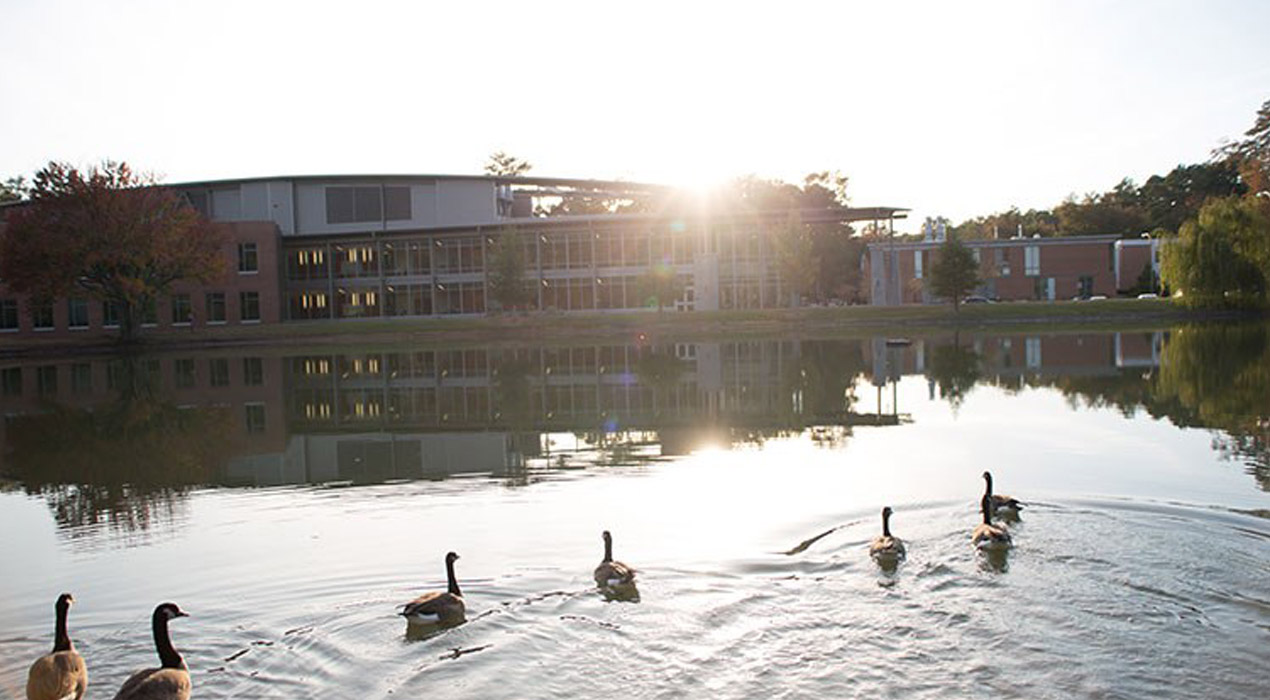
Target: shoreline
{"points": [[550, 328]]}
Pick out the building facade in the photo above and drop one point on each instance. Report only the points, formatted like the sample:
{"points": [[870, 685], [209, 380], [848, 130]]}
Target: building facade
{"points": [[1014, 269], [347, 247]]}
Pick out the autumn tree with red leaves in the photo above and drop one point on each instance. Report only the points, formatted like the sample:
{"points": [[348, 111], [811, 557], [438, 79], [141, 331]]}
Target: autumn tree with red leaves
{"points": [[110, 234]]}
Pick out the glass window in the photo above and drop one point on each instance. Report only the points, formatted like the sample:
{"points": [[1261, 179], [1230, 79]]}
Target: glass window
{"points": [[42, 316], [397, 203], [1032, 260], [182, 310], [77, 313], [81, 378], [215, 307], [110, 314], [253, 371], [346, 205], [9, 315], [250, 305], [248, 259], [150, 313], [255, 417], [218, 371], [11, 381], [46, 380], [184, 373]]}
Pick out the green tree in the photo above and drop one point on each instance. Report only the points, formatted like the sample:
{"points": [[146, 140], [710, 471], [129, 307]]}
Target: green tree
{"points": [[954, 273], [507, 283], [955, 369], [796, 260], [1251, 154], [110, 234], [1169, 201], [1222, 258], [13, 189], [502, 164]]}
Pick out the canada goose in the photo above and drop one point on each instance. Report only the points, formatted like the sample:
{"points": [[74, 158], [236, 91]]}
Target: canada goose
{"points": [[1001, 505], [887, 546], [612, 573], [986, 535], [171, 681], [61, 673], [438, 607]]}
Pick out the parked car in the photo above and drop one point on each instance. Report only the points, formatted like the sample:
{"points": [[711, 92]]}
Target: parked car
{"points": [[976, 299], [1149, 295]]}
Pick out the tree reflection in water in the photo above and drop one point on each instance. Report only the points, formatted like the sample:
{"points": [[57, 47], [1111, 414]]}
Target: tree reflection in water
{"points": [[955, 369], [127, 464]]}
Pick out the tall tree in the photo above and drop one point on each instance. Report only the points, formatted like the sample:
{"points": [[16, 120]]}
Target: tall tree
{"points": [[954, 273], [13, 189], [1251, 154], [796, 259], [506, 270], [660, 286], [500, 163], [110, 234]]}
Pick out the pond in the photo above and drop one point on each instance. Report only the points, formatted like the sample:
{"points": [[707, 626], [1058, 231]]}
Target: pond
{"points": [[292, 500]]}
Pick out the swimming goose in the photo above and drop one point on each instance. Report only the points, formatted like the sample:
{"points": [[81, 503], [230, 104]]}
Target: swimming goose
{"points": [[986, 535], [1001, 505], [61, 673], [438, 607], [612, 573], [171, 681], [886, 546]]}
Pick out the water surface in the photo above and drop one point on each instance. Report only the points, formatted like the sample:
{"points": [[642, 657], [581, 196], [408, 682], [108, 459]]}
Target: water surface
{"points": [[292, 502]]}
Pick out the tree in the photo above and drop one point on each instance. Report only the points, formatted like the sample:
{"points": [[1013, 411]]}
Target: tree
{"points": [[1222, 258], [506, 270], [502, 164], [955, 272], [1251, 154], [796, 259], [13, 189], [109, 234]]}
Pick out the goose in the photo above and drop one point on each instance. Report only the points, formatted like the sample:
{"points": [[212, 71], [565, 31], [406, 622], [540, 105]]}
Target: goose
{"points": [[986, 535], [61, 673], [886, 545], [438, 607], [1001, 505], [171, 681], [612, 573]]}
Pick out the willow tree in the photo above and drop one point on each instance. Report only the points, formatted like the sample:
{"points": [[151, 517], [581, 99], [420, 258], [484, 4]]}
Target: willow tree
{"points": [[109, 234], [1222, 257]]}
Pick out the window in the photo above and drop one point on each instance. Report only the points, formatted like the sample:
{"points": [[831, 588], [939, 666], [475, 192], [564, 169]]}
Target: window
{"points": [[346, 205], [249, 306], [46, 380], [255, 417], [253, 371], [199, 200], [11, 381], [215, 302], [42, 317], [110, 314], [9, 315], [150, 312], [917, 264], [1032, 260], [248, 258], [77, 313], [81, 378], [218, 371], [184, 373], [182, 310]]}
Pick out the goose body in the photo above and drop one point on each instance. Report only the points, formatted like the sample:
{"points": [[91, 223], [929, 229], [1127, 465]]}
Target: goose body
{"points": [[1001, 504], [171, 681], [886, 545], [61, 673], [986, 535], [612, 573], [438, 607]]}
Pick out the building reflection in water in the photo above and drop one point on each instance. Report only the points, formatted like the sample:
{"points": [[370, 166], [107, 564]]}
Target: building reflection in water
{"points": [[403, 413]]}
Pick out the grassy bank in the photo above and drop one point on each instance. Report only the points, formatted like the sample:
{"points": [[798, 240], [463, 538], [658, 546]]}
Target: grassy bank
{"points": [[551, 328]]}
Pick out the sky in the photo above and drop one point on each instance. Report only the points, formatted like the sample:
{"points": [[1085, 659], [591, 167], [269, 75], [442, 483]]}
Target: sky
{"points": [[954, 109]]}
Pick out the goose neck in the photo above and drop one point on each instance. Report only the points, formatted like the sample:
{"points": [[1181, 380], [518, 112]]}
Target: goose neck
{"points": [[453, 583], [169, 657], [61, 637]]}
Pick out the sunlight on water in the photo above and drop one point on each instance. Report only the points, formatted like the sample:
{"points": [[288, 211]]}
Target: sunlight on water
{"points": [[746, 494]]}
